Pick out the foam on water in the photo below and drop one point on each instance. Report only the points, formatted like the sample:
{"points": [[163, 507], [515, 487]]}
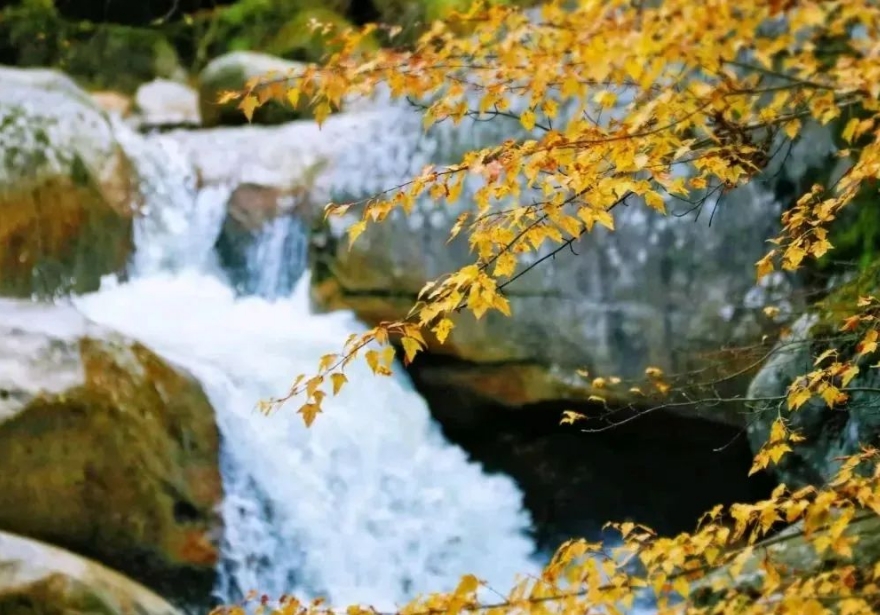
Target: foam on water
{"points": [[370, 504]]}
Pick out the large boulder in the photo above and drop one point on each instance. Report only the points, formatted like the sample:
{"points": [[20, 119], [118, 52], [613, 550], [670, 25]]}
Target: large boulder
{"points": [[98, 55], [830, 433], [231, 72], [38, 579], [66, 188], [661, 290], [615, 304], [106, 449]]}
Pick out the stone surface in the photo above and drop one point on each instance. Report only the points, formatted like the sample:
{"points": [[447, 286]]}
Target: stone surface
{"points": [[830, 433], [113, 103], [790, 550], [163, 102], [39, 579], [616, 304], [262, 244], [231, 72], [66, 190], [658, 291], [106, 449]]}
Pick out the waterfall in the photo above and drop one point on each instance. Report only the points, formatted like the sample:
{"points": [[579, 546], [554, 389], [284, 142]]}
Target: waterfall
{"points": [[370, 505]]}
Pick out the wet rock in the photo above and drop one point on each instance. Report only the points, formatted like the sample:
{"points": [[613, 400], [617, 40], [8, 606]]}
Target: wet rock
{"points": [[615, 304], [36, 578], [231, 72], [106, 449], [67, 195], [262, 244]]}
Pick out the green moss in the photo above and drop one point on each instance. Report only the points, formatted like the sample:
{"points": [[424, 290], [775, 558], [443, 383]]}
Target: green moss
{"points": [[101, 468], [99, 56], [60, 236], [297, 40], [841, 302]]}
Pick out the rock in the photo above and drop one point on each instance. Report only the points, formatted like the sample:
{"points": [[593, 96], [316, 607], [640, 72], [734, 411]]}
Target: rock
{"points": [[44, 79], [615, 304], [113, 103], [231, 72], [659, 291], [830, 433], [66, 190], [162, 102], [98, 55], [789, 552], [262, 245], [297, 39], [106, 450], [38, 578]]}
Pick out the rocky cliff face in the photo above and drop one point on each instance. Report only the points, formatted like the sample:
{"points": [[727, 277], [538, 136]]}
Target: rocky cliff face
{"points": [[106, 449]]}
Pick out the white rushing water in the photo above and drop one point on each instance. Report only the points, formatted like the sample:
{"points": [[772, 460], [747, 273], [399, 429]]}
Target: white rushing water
{"points": [[370, 505]]}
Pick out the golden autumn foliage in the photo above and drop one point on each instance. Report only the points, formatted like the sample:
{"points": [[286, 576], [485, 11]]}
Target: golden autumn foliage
{"points": [[637, 103]]}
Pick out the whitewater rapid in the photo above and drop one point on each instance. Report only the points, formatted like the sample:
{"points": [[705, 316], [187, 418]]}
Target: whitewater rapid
{"points": [[370, 505]]}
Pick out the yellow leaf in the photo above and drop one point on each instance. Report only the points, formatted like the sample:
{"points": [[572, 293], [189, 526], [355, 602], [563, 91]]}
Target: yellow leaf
{"points": [[798, 397], [326, 361], [293, 97], [355, 231], [322, 110], [338, 380], [682, 586], [442, 329], [765, 265], [653, 372], [868, 343], [411, 346], [527, 119], [468, 585], [309, 412], [248, 105], [655, 201], [388, 355], [792, 128], [570, 416], [372, 358]]}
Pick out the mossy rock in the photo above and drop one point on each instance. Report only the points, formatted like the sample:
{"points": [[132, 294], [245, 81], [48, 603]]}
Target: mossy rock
{"points": [[831, 434], [107, 450], [39, 579], [298, 40], [231, 72], [66, 189], [98, 56]]}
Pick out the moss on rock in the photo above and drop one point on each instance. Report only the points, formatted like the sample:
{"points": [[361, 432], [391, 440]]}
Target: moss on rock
{"points": [[111, 452], [231, 72], [38, 579], [98, 56], [66, 190]]}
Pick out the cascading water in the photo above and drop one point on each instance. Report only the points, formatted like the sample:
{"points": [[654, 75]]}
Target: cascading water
{"points": [[370, 505]]}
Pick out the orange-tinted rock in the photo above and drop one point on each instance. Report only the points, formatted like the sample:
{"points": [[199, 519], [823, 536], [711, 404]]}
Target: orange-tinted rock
{"points": [[36, 578], [106, 449], [67, 193]]}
